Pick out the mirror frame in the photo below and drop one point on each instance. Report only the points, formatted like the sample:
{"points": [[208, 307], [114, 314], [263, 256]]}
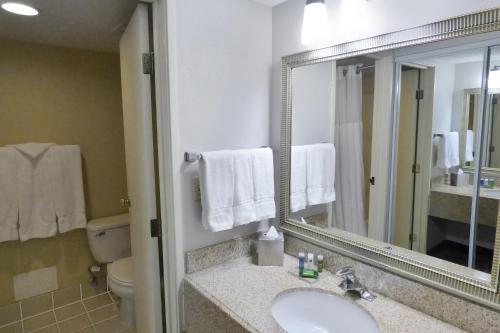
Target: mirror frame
{"points": [[415, 266], [466, 99]]}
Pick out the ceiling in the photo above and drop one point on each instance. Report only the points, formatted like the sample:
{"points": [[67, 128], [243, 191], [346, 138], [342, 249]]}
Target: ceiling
{"points": [[271, 3], [84, 24]]}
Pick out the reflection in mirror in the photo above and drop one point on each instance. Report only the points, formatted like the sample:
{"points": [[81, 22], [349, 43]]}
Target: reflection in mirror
{"points": [[482, 236], [332, 111], [490, 156], [433, 147]]}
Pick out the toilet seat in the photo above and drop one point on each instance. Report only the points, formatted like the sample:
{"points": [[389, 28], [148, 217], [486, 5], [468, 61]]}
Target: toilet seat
{"points": [[121, 272]]}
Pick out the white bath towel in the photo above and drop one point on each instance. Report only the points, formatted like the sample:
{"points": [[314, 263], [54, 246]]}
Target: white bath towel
{"points": [[37, 218], [69, 198], [244, 202], [298, 160], [469, 146], [8, 195], [448, 152], [320, 173], [217, 190], [263, 183]]}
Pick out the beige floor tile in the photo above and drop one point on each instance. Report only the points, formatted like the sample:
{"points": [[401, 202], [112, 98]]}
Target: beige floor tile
{"points": [[86, 330], [98, 301], [50, 329], [15, 328], [66, 296], [111, 326], [89, 290], [39, 321], [35, 305], [9, 314], [74, 324], [69, 311], [103, 313]]}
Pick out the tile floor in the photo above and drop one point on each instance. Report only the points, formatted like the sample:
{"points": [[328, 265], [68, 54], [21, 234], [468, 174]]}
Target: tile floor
{"points": [[80, 309]]}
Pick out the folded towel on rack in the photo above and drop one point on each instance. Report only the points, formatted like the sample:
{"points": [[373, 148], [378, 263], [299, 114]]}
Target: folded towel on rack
{"points": [[243, 203], [263, 183], [8, 195], [298, 160], [320, 173], [217, 190], [469, 146], [37, 218], [448, 151], [69, 199]]}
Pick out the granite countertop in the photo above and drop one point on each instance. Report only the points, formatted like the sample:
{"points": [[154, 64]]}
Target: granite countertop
{"points": [[245, 292], [466, 191]]}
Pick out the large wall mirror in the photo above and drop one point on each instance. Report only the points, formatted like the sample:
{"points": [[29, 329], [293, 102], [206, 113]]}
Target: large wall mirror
{"points": [[391, 152]]}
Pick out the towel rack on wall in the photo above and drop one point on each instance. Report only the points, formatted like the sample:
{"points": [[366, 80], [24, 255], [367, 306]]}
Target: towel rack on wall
{"points": [[193, 157]]}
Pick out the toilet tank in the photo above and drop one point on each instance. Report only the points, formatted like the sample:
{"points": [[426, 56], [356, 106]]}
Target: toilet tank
{"points": [[109, 238]]}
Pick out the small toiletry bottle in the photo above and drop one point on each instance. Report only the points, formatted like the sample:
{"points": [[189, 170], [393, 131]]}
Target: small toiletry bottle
{"points": [[310, 261], [302, 258], [320, 262]]}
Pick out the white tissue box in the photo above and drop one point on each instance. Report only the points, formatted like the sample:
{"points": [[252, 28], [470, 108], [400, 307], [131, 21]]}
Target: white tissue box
{"points": [[459, 179], [270, 251]]}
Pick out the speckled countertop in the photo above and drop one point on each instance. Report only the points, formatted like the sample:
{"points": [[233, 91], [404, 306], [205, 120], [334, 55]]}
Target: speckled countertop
{"points": [[245, 292]]}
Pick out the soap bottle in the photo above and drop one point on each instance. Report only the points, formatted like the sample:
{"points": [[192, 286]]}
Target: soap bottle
{"points": [[320, 263], [302, 258], [310, 270]]}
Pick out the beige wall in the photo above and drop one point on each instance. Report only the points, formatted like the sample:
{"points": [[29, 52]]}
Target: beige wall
{"points": [[66, 96]]}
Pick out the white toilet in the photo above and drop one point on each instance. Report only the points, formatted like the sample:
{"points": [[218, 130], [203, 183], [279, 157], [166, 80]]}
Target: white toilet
{"points": [[109, 241]]}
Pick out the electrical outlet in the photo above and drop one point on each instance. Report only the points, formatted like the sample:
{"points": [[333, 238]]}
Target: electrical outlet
{"points": [[196, 189]]}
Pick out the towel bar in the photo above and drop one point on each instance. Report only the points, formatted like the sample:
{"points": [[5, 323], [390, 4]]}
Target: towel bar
{"points": [[193, 157]]}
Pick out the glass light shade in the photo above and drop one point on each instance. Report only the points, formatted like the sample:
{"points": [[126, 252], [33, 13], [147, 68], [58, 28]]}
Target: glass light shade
{"points": [[494, 79], [314, 24], [19, 8]]}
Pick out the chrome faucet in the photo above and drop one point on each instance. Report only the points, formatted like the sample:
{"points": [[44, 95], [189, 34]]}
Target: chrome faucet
{"points": [[350, 282]]}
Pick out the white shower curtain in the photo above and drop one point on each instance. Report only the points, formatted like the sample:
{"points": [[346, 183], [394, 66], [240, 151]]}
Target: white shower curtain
{"points": [[349, 174]]}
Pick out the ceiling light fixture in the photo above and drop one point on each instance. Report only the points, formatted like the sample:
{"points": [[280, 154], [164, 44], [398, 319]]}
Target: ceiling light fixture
{"points": [[19, 8], [314, 24]]}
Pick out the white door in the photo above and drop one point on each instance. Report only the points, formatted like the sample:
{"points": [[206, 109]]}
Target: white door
{"points": [[137, 119]]}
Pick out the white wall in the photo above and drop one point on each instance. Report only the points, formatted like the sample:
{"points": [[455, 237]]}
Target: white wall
{"points": [[444, 85], [223, 94], [225, 49]]}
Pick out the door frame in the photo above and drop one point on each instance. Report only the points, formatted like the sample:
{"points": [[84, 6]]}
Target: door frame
{"points": [[164, 41]]}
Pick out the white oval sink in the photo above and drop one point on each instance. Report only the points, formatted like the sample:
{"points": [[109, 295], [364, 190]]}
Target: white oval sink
{"points": [[313, 311]]}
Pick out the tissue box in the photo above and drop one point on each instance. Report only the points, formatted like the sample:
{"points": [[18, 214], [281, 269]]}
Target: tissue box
{"points": [[459, 179], [270, 251]]}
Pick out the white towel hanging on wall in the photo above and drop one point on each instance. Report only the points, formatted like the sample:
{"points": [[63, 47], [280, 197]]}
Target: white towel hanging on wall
{"points": [[68, 196], [37, 217], [8, 195]]}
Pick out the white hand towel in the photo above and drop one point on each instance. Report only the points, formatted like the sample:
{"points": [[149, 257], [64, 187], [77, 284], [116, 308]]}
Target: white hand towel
{"points": [[68, 187], [320, 173], [8, 195], [37, 218], [298, 199], [448, 152], [217, 190], [263, 183], [469, 146], [244, 203]]}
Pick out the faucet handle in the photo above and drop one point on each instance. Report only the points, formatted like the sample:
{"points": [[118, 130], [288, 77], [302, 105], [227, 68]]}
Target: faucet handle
{"points": [[345, 272]]}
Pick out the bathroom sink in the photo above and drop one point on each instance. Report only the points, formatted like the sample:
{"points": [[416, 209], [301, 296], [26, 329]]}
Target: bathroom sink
{"points": [[314, 311]]}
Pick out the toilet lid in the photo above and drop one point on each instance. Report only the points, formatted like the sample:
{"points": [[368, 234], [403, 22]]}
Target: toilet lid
{"points": [[121, 271]]}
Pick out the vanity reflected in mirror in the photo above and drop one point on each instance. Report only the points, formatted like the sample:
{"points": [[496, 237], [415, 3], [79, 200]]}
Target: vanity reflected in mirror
{"points": [[381, 155]]}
